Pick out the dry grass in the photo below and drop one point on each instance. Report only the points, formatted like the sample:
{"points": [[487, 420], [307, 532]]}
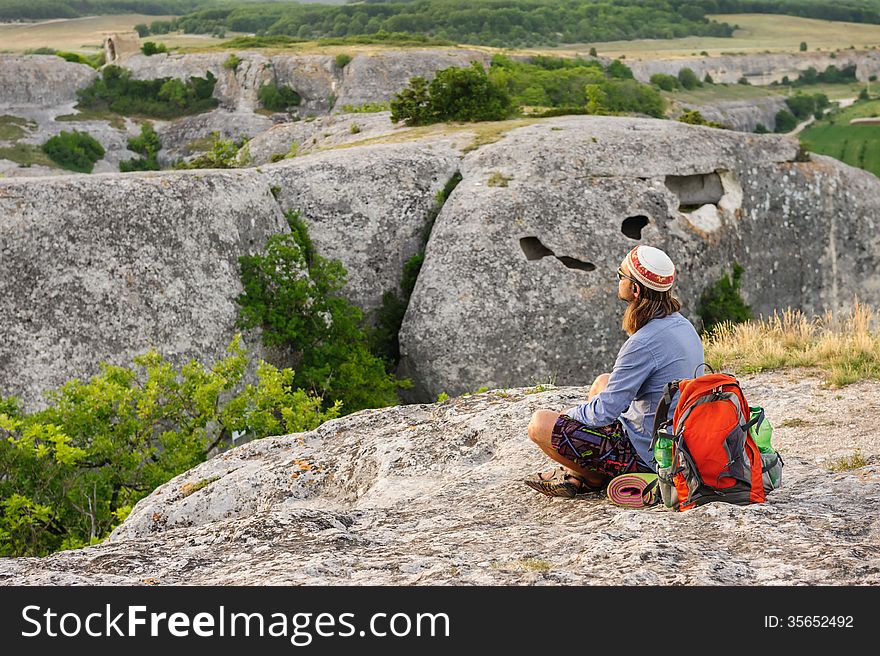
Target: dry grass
{"points": [[847, 463], [758, 33], [848, 346]]}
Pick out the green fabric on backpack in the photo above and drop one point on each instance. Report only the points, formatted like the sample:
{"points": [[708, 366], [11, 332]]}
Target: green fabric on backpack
{"points": [[762, 432]]}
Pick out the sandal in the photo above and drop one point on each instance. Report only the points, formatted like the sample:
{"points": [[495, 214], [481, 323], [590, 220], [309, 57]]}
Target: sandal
{"points": [[558, 485]]}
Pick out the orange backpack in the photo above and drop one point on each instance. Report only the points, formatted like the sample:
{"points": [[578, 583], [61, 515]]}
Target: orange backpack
{"points": [[714, 458]]}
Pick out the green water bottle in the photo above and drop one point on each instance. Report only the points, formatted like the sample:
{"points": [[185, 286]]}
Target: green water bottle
{"points": [[663, 452], [663, 457], [762, 433]]}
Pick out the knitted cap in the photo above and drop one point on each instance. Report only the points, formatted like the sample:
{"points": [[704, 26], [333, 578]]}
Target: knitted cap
{"points": [[651, 267]]}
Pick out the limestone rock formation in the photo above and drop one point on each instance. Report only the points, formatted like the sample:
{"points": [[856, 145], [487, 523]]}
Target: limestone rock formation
{"points": [[760, 69], [376, 78], [106, 267], [743, 115], [432, 495], [41, 80], [518, 284], [317, 133], [367, 207]]}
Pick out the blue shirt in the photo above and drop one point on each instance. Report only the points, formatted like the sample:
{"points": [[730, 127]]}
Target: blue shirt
{"points": [[662, 350]]}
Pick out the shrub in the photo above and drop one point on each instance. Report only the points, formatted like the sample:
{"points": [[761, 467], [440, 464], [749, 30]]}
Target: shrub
{"points": [[785, 121], [232, 62], [455, 94], [694, 117], [708, 79], [73, 471], [593, 52], [142, 29], [223, 154], [863, 94], [149, 48], [688, 79], [294, 295], [760, 128], [743, 80], [620, 70], [803, 46], [665, 82], [160, 98], [722, 302], [148, 146], [367, 108], [75, 151], [342, 60], [354, 128], [277, 98]]}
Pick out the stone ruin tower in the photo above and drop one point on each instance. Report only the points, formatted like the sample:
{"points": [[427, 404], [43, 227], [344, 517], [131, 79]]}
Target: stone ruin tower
{"points": [[119, 45]]}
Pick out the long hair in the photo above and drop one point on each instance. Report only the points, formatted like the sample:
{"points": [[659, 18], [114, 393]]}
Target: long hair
{"points": [[650, 304]]}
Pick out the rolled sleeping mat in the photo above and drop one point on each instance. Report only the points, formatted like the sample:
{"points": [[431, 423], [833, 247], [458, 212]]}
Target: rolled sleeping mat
{"points": [[626, 490]]}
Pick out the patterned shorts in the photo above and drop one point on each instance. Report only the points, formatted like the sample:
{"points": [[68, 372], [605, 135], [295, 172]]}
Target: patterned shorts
{"points": [[605, 449]]}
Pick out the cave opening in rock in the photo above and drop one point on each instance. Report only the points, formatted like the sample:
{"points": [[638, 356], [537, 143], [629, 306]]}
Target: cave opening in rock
{"points": [[632, 226], [696, 190], [573, 263], [535, 250]]}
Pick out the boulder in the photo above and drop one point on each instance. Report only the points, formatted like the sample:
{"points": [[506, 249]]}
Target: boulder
{"points": [[105, 267], [432, 495], [318, 133], [41, 80], [376, 78], [366, 206], [519, 286]]}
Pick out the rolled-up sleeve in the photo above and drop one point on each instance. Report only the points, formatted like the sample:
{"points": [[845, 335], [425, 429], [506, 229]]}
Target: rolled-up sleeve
{"points": [[634, 364]]}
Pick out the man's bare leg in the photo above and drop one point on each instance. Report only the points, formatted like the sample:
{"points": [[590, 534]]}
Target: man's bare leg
{"points": [[541, 432]]}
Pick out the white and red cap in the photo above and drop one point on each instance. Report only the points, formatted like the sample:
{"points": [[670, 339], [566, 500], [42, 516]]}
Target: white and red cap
{"points": [[651, 267]]}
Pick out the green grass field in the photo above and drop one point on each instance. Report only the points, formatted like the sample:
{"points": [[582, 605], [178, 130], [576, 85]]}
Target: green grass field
{"points": [[856, 145]]}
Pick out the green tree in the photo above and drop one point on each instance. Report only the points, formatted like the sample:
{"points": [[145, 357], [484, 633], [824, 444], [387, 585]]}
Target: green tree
{"points": [[76, 151], [722, 302], [150, 48], [142, 29], [72, 472], [147, 145], [455, 94], [278, 98], [785, 121], [665, 82], [688, 79], [294, 295], [803, 46]]}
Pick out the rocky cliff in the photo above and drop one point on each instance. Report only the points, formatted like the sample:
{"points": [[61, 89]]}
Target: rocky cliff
{"points": [[40, 81], [432, 495], [106, 267], [518, 284], [742, 115], [760, 69]]}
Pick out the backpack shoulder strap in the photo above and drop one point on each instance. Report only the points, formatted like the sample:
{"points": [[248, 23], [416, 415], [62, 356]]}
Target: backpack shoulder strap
{"points": [[660, 419]]}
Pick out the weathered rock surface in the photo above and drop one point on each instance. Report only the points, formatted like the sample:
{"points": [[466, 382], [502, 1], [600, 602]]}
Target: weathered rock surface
{"points": [[193, 134], [376, 78], [743, 115], [366, 206], [518, 284], [106, 267], [431, 494], [761, 69], [41, 80], [322, 132]]}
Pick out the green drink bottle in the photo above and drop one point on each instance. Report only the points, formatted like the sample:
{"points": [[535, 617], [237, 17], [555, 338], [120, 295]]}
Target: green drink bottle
{"points": [[663, 457]]}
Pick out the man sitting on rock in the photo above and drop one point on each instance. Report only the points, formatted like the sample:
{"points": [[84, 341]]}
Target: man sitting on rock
{"points": [[611, 433]]}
